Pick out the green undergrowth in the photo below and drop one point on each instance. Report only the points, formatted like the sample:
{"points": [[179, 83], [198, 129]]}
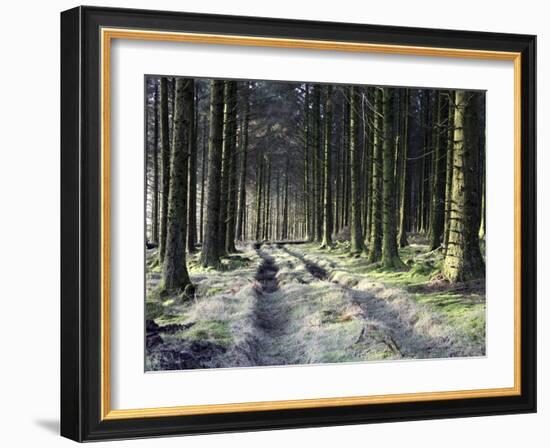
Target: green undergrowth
{"points": [[213, 331], [465, 311]]}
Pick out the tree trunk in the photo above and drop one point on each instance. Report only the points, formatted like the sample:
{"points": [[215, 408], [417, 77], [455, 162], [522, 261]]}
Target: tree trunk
{"points": [[203, 179], [346, 181], [240, 228], [390, 256], [211, 251], [192, 227], [174, 273], [366, 172], [155, 204], [375, 244], [318, 151], [463, 260], [307, 163], [259, 192], [482, 223], [356, 242], [231, 210], [327, 174], [165, 164], [284, 235], [438, 193], [226, 162], [449, 170], [267, 200], [404, 173]]}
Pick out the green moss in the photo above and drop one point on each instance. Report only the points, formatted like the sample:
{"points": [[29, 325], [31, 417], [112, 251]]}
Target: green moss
{"points": [[211, 330], [170, 318], [464, 311]]}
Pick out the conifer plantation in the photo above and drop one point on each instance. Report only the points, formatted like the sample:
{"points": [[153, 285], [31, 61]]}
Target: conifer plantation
{"points": [[299, 223]]}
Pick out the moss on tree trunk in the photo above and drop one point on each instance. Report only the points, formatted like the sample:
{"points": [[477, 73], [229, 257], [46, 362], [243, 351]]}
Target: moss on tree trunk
{"points": [[463, 260], [449, 170]]}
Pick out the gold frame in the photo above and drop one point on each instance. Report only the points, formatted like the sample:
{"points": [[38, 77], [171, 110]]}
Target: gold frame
{"points": [[107, 35]]}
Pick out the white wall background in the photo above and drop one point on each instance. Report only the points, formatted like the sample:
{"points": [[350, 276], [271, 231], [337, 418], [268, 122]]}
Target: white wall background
{"points": [[29, 228]]}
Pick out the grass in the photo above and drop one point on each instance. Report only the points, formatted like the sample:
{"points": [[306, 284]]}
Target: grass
{"points": [[360, 313], [462, 313], [319, 322], [220, 313], [214, 331]]}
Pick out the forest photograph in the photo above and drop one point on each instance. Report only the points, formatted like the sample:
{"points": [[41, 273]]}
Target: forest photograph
{"points": [[295, 223]]}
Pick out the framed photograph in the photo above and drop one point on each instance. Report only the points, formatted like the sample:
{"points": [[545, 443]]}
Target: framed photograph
{"points": [[276, 224]]}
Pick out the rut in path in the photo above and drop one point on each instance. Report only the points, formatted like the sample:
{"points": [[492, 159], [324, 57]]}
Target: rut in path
{"points": [[267, 273], [272, 315], [314, 269]]}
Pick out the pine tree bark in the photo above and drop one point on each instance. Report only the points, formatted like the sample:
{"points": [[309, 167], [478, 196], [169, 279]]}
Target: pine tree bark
{"points": [[375, 243], [226, 163], [356, 242], [211, 251], [165, 164], [463, 260], [267, 200], [390, 256], [240, 227], [192, 220], [231, 210], [259, 193], [482, 223], [174, 273], [318, 151], [346, 174], [404, 174], [438, 192], [366, 169], [284, 235], [307, 163], [155, 204], [327, 171], [449, 170], [203, 180]]}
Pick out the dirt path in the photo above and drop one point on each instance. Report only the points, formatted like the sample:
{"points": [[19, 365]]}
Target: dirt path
{"points": [[381, 331], [272, 314]]}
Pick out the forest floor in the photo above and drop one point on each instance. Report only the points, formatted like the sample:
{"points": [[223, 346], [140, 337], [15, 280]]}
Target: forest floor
{"points": [[283, 304]]}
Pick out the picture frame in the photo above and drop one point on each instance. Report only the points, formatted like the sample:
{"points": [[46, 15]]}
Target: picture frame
{"points": [[86, 37]]}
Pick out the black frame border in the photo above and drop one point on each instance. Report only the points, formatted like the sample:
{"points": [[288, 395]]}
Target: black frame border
{"points": [[81, 223]]}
